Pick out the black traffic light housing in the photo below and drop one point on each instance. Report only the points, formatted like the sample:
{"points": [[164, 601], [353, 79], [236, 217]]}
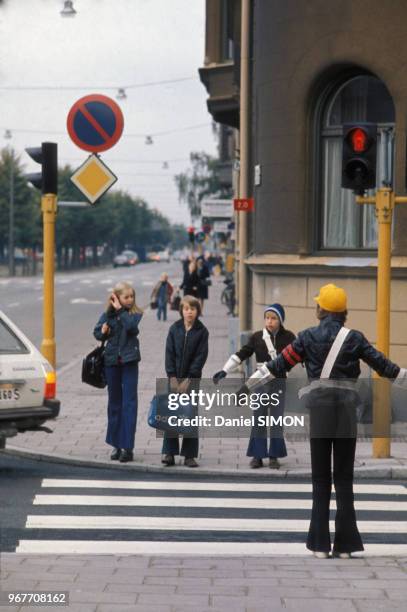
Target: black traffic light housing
{"points": [[47, 156], [359, 155]]}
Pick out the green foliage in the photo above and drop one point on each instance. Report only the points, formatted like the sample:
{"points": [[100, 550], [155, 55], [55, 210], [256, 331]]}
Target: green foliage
{"points": [[198, 181], [27, 207], [117, 221]]}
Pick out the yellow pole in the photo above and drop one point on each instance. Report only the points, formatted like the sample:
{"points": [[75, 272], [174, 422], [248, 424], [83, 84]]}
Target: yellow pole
{"points": [[381, 406], [49, 208]]}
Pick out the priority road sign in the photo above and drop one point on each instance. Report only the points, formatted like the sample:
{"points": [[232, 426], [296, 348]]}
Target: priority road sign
{"points": [[95, 123], [93, 178]]}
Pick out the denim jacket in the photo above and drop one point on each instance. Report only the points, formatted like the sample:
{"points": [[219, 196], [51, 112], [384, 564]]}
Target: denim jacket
{"points": [[122, 344]]}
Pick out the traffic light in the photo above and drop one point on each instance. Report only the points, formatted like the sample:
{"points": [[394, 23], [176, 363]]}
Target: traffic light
{"points": [[191, 235], [47, 156], [359, 156]]}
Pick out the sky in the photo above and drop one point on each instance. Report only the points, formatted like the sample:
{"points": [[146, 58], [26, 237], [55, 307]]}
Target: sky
{"points": [[109, 44]]}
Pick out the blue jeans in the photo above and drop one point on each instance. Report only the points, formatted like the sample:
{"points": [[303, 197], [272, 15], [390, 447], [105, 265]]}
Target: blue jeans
{"points": [[122, 381], [162, 310], [258, 439]]}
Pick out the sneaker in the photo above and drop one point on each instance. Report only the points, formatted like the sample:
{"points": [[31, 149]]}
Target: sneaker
{"points": [[168, 460], [256, 463], [319, 554], [342, 555], [126, 455], [274, 463], [190, 462], [115, 454]]}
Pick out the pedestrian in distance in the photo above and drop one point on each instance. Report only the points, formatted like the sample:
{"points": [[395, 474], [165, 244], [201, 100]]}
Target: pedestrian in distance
{"points": [[119, 327], [190, 282], [266, 344], [161, 295], [186, 352], [331, 354], [204, 281]]}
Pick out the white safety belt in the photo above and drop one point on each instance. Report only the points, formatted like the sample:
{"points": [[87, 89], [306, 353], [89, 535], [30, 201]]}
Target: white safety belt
{"points": [[270, 347], [328, 365]]}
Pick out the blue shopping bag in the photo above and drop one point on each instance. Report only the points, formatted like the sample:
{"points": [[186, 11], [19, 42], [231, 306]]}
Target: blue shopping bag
{"points": [[159, 414]]}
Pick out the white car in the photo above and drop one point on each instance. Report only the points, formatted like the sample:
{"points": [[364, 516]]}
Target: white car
{"points": [[27, 383], [163, 256]]}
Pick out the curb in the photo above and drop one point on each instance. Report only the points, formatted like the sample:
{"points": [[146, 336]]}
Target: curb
{"points": [[365, 472]]}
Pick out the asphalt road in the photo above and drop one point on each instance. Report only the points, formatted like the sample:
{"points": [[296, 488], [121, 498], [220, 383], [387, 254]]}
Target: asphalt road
{"points": [[51, 508], [80, 297]]}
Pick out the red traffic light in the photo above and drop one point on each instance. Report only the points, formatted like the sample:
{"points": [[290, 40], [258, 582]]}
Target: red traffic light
{"points": [[358, 140]]}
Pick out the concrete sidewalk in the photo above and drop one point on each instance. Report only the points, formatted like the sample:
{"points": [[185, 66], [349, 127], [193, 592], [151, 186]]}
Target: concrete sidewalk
{"points": [[79, 433]]}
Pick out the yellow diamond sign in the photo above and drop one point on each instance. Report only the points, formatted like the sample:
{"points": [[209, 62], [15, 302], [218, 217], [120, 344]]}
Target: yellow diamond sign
{"points": [[93, 178]]}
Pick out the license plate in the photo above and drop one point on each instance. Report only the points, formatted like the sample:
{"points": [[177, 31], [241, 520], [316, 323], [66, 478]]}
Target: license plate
{"points": [[8, 392]]}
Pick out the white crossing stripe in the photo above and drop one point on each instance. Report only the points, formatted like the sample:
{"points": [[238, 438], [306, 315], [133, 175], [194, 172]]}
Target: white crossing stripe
{"points": [[92, 547], [200, 502], [278, 487], [195, 524]]}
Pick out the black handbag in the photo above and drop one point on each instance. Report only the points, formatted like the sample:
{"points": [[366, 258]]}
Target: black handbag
{"points": [[153, 304], [93, 371]]}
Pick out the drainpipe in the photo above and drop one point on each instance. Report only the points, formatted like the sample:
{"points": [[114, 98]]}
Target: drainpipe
{"points": [[244, 163]]}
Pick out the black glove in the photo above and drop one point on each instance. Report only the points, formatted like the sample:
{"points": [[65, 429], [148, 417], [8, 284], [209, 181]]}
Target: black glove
{"points": [[218, 376]]}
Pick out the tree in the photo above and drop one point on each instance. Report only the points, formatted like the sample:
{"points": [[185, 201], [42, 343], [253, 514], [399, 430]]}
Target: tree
{"points": [[27, 208], [198, 181]]}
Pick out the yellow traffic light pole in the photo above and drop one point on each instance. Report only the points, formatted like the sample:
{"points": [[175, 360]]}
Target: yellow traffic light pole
{"points": [[49, 209], [385, 201]]}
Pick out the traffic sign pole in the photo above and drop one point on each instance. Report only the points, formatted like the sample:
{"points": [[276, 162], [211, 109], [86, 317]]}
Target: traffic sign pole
{"points": [[49, 209], [384, 201]]}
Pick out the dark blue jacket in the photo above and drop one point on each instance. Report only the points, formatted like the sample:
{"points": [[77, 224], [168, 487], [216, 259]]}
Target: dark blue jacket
{"points": [[122, 340], [186, 351], [312, 346]]}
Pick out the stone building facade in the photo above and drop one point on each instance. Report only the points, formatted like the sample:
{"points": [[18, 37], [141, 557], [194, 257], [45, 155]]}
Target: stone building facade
{"points": [[317, 64]]}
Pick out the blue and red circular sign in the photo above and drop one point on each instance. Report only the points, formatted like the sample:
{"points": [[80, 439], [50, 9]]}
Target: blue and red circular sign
{"points": [[95, 123]]}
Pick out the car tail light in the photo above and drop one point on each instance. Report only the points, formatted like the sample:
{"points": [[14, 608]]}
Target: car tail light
{"points": [[50, 385]]}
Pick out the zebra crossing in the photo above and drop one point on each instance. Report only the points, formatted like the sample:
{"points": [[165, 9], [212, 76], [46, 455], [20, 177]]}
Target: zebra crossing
{"points": [[198, 517]]}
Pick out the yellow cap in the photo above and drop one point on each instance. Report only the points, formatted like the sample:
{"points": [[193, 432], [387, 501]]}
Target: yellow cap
{"points": [[332, 298]]}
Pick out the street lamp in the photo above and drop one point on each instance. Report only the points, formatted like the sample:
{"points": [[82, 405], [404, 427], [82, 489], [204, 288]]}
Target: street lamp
{"points": [[11, 266], [121, 94], [68, 10]]}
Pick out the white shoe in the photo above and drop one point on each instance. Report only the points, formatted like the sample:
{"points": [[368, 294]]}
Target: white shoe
{"points": [[319, 554], [343, 555]]}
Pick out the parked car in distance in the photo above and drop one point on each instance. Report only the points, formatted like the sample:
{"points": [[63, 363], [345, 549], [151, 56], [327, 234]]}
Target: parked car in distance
{"points": [[163, 256], [27, 383], [126, 258]]}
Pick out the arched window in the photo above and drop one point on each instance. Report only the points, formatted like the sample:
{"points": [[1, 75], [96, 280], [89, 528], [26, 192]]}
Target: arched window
{"points": [[343, 223]]}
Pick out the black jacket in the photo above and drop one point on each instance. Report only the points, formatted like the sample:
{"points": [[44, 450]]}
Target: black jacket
{"points": [[186, 351], [257, 345], [190, 283], [122, 340], [312, 346]]}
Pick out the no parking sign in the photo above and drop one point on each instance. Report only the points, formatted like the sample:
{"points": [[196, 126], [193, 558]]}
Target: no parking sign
{"points": [[95, 123]]}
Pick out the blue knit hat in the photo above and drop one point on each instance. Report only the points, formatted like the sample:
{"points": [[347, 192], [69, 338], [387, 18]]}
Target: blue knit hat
{"points": [[278, 309]]}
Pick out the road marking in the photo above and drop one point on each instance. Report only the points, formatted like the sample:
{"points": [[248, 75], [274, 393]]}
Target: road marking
{"points": [[106, 281], [196, 524], [13, 304], [84, 301], [147, 283], [246, 549], [280, 487], [86, 281], [201, 502]]}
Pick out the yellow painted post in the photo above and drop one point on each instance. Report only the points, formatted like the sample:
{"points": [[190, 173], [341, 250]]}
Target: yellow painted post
{"points": [[381, 405], [49, 209], [384, 201]]}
